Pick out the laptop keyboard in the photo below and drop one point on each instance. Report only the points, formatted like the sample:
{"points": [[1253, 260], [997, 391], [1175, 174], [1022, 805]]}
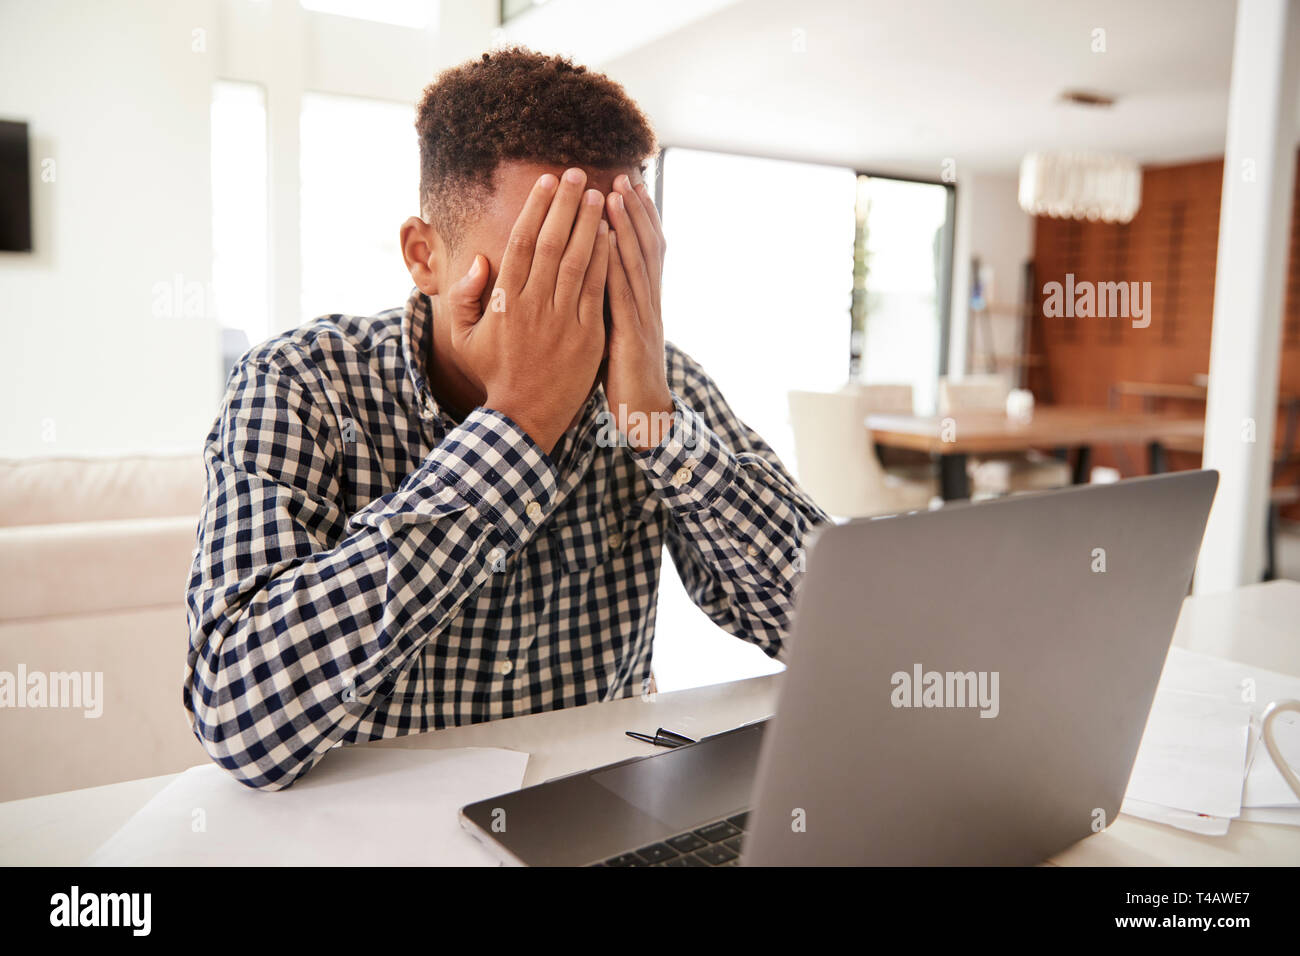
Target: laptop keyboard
{"points": [[716, 844]]}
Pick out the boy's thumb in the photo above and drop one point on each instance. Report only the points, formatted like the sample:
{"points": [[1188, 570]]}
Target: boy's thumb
{"points": [[465, 294]]}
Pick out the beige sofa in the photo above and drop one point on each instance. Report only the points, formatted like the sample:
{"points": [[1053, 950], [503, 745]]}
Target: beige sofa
{"points": [[94, 556]]}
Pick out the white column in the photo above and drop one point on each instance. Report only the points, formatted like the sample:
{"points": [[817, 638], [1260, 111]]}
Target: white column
{"points": [[284, 87], [1258, 173]]}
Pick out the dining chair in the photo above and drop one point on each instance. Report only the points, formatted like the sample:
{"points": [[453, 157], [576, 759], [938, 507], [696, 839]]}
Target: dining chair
{"points": [[973, 393], [836, 459], [999, 474]]}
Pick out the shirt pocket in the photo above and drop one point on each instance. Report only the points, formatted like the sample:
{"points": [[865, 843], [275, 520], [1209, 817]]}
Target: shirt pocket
{"points": [[580, 542]]}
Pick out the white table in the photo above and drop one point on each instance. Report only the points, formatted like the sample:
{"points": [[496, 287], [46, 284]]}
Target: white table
{"points": [[1256, 625]]}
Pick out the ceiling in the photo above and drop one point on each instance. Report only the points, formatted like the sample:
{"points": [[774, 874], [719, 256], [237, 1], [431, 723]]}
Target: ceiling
{"points": [[904, 86]]}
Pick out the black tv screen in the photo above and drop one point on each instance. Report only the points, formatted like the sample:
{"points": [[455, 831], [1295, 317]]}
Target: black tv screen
{"points": [[15, 189]]}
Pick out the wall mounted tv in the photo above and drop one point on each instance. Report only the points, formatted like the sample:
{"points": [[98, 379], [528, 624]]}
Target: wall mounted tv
{"points": [[15, 188]]}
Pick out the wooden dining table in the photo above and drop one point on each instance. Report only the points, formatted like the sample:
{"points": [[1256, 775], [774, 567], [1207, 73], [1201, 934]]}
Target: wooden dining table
{"points": [[1155, 394], [952, 438]]}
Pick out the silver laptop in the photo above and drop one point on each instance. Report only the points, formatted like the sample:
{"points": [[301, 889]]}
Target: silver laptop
{"points": [[965, 686]]}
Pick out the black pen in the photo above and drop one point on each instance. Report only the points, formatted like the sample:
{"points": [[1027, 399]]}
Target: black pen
{"points": [[662, 738]]}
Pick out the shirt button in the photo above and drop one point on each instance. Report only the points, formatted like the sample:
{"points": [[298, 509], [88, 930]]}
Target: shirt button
{"points": [[533, 510], [751, 551], [682, 477], [616, 541], [505, 667]]}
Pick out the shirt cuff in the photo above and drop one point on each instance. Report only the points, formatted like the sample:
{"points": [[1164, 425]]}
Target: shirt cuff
{"points": [[488, 463], [692, 466], [495, 466]]}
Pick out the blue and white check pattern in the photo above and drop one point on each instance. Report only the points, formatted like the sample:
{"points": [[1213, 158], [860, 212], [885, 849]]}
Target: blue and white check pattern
{"points": [[367, 568]]}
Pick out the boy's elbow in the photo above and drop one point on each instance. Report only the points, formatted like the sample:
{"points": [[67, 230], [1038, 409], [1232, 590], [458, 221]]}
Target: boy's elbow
{"points": [[227, 737], [255, 767]]}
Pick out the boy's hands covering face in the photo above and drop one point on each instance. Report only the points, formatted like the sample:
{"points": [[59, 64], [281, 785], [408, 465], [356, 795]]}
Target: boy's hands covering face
{"points": [[538, 347], [636, 382]]}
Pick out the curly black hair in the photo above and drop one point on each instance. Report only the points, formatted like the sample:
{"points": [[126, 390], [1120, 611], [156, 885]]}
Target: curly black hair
{"points": [[515, 104]]}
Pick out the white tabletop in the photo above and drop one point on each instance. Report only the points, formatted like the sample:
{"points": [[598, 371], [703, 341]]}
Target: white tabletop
{"points": [[1257, 625], [1254, 625]]}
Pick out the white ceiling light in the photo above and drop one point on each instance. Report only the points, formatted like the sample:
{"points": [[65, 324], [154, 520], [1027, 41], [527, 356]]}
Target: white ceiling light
{"points": [[1089, 186]]}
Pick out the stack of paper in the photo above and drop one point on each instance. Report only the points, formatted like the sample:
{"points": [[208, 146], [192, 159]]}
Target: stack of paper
{"points": [[359, 806], [1201, 763]]}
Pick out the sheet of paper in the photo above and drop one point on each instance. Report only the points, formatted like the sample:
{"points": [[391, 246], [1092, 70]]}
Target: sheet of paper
{"points": [[1183, 819], [1193, 754], [358, 806], [1231, 680]]}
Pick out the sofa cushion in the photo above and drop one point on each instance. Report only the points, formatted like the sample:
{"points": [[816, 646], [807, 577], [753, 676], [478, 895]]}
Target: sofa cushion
{"points": [[40, 491], [87, 568], [137, 727]]}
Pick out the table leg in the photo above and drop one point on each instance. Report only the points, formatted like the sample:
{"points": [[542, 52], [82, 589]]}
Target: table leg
{"points": [[1270, 543], [954, 485], [1289, 434], [1082, 465], [1156, 463]]}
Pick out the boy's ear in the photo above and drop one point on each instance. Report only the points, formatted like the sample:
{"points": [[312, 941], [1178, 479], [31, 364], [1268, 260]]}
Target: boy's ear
{"points": [[425, 254]]}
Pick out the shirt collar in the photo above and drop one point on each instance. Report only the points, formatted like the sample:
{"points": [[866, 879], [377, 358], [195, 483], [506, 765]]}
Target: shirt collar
{"points": [[417, 326]]}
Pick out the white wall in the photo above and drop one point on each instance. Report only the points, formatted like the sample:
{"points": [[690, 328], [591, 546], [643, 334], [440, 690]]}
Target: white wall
{"points": [[990, 225], [116, 99], [117, 94]]}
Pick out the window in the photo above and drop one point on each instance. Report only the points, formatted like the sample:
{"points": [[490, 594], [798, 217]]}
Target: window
{"points": [[360, 181], [239, 215], [758, 277], [904, 225], [758, 286]]}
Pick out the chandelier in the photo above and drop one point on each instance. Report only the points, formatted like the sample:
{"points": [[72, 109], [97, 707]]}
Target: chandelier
{"points": [[1091, 186]]}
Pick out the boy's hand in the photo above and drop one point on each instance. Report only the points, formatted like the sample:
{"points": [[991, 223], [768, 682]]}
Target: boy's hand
{"points": [[636, 382], [538, 347]]}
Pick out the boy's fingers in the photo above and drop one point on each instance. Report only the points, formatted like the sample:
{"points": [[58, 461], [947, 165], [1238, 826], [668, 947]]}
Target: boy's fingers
{"points": [[622, 300], [553, 238], [643, 191], [591, 305], [646, 234], [572, 273], [518, 258], [629, 252]]}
